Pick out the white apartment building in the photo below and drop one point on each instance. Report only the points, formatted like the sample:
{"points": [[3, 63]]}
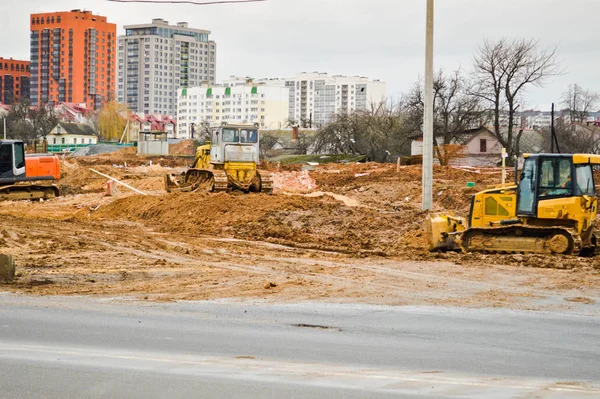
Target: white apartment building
{"points": [[155, 60], [238, 100], [316, 97]]}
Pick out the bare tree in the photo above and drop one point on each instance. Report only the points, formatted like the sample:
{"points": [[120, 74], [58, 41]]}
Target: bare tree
{"points": [[575, 138], [455, 109], [267, 141], [27, 123], [379, 133], [503, 70], [578, 103]]}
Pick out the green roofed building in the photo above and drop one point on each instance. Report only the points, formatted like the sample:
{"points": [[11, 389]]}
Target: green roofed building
{"points": [[238, 100]]}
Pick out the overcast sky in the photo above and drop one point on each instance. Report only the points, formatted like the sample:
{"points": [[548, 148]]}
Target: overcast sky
{"points": [[381, 39]]}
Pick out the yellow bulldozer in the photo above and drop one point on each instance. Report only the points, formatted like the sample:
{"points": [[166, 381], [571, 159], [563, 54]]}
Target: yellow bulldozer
{"points": [[549, 209], [229, 161]]}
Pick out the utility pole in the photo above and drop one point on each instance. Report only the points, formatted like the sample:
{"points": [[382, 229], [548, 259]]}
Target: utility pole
{"points": [[427, 189]]}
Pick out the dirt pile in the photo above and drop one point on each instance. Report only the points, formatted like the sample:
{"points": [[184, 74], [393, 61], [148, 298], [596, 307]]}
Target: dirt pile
{"points": [[317, 223], [184, 148], [293, 182]]}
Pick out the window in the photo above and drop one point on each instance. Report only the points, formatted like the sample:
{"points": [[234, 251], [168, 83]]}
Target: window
{"points": [[482, 145], [555, 177], [5, 158], [248, 136], [19, 155], [231, 136], [585, 180]]}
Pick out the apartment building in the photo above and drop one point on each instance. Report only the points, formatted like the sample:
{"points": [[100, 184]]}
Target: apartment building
{"points": [[14, 80], [72, 58], [156, 59], [316, 97], [238, 100]]}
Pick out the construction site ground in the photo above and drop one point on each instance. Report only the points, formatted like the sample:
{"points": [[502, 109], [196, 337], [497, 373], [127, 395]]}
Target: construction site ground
{"points": [[340, 232]]}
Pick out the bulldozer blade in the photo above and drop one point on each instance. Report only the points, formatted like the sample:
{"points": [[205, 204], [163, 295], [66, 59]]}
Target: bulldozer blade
{"points": [[171, 183], [442, 231]]}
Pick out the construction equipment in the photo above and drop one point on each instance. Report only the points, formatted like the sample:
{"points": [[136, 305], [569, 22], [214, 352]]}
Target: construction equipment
{"points": [[228, 162], [550, 209], [16, 167]]}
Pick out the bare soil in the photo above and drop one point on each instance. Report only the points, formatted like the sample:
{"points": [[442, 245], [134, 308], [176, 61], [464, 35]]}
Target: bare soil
{"points": [[349, 233]]}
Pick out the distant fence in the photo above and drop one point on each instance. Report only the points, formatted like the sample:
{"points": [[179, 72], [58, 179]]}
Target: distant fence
{"points": [[66, 148]]}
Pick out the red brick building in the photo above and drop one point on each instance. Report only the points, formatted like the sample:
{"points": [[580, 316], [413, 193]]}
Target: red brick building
{"points": [[73, 58], [14, 80]]}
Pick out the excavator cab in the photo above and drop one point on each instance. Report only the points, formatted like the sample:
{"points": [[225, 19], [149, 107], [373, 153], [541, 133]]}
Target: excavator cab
{"points": [[12, 160]]}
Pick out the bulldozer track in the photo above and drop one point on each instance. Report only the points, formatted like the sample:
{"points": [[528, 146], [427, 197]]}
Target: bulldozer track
{"points": [[266, 182], [28, 192], [522, 239], [221, 181]]}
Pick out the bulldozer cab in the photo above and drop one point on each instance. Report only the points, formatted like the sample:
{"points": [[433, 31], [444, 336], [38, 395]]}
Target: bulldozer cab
{"points": [[554, 176], [234, 143]]}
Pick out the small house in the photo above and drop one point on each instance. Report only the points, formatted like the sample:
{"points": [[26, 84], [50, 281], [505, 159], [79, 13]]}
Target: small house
{"points": [[72, 134], [480, 147]]}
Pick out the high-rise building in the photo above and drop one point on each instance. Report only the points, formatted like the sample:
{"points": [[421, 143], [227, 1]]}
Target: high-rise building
{"points": [[316, 97], [72, 58], [155, 60], [238, 100], [14, 80]]}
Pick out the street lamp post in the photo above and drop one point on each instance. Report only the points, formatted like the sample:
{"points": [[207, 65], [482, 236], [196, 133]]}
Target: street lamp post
{"points": [[427, 189]]}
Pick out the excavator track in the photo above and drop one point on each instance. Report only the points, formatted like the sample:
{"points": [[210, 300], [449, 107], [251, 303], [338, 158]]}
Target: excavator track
{"points": [[266, 182], [18, 192], [521, 239]]}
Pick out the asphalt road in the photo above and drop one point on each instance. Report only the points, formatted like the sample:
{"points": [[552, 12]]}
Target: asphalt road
{"points": [[92, 348]]}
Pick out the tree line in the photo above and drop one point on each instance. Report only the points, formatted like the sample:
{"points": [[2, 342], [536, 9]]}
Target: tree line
{"points": [[491, 93], [26, 122]]}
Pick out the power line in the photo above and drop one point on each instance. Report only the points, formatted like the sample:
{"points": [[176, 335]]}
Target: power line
{"points": [[196, 3]]}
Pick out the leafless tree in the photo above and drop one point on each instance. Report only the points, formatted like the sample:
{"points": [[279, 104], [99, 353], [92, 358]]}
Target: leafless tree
{"points": [[267, 141], [578, 103], [27, 123], [503, 70], [575, 138], [455, 109], [380, 133]]}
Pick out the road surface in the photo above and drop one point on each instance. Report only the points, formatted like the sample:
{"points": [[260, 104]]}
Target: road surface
{"points": [[116, 348]]}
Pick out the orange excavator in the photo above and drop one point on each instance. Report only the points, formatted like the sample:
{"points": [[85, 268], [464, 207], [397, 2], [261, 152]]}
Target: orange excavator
{"points": [[18, 170]]}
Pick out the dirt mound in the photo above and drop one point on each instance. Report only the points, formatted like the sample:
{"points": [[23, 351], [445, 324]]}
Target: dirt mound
{"points": [[293, 182], [77, 177], [184, 148], [318, 223]]}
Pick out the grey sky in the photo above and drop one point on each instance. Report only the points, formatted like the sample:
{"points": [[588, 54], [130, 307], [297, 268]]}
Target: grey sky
{"points": [[381, 39]]}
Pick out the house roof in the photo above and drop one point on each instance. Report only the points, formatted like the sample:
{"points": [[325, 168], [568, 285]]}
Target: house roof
{"points": [[77, 129], [78, 108], [475, 132], [469, 133]]}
